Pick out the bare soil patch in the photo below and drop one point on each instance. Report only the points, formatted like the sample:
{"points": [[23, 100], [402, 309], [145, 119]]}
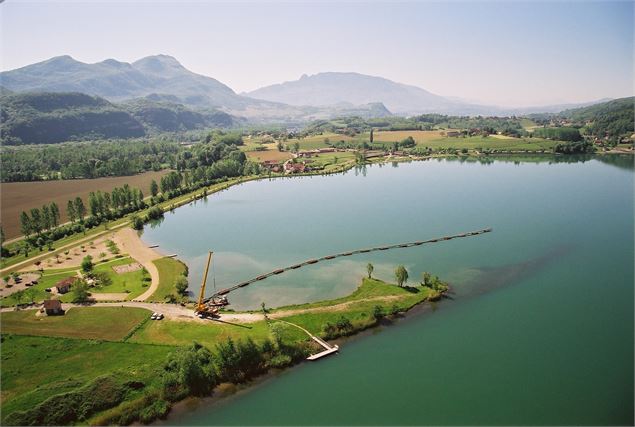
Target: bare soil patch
{"points": [[120, 269]]}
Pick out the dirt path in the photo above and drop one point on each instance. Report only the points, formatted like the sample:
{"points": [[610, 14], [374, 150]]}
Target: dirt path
{"points": [[255, 317], [129, 241], [186, 314]]}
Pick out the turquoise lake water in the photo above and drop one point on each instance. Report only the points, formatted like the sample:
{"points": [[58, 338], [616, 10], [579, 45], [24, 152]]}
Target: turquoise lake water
{"points": [[540, 330]]}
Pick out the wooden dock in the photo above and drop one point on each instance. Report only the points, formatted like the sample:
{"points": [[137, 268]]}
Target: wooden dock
{"points": [[343, 254], [328, 348]]}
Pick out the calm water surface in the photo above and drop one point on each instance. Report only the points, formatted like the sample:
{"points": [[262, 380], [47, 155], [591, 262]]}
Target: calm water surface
{"points": [[541, 328]]}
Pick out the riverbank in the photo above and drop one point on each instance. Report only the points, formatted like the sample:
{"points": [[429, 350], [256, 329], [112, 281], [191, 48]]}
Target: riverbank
{"points": [[18, 262]]}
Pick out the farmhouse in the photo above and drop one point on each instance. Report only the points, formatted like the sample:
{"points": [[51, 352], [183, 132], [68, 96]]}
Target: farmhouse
{"points": [[53, 307], [294, 167], [272, 165], [64, 286]]}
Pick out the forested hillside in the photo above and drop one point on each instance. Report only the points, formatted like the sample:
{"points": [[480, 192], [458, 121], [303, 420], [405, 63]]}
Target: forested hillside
{"points": [[611, 119], [46, 118]]}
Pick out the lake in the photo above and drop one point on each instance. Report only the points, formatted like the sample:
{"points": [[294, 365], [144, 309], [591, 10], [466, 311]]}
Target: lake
{"points": [[540, 328]]}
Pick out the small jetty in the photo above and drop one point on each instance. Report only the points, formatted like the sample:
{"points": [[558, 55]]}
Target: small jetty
{"points": [[343, 254], [328, 348]]}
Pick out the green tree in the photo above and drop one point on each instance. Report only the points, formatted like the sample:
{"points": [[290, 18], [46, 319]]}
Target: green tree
{"points": [[36, 221], [181, 285], [427, 278], [31, 293], [25, 224], [154, 188], [55, 214], [46, 217], [280, 146], [19, 296], [378, 312], [70, 211], [371, 135], [401, 275], [343, 324], [87, 264], [137, 222], [80, 291], [80, 209], [369, 269]]}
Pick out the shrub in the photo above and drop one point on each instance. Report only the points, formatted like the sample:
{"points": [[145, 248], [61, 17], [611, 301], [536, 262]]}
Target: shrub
{"points": [[68, 408]]}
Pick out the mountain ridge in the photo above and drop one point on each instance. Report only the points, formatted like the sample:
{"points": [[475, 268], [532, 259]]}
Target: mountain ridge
{"points": [[317, 96]]}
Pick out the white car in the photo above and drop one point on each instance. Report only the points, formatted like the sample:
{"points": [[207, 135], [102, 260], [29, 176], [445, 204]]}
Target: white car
{"points": [[159, 316], [154, 316]]}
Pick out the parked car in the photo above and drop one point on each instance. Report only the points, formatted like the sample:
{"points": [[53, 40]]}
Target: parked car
{"points": [[154, 316], [47, 290]]}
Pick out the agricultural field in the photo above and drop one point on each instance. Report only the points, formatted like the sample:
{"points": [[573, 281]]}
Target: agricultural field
{"points": [[420, 136], [95, 323], [22, 196], [435, 140]]}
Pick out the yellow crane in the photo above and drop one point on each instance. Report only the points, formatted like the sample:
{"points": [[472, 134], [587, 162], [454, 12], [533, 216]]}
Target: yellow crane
{"points": [[203, 309]]}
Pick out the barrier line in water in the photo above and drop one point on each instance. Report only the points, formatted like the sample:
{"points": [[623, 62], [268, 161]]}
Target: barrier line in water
{"points": [[343, 254]]}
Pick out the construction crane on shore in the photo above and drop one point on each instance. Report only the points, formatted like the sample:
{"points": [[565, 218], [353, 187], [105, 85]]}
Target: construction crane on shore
{"points": [[203, 309], [209, 307]]}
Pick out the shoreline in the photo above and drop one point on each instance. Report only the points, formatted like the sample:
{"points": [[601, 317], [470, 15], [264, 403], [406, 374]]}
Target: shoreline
{"points": [[202, 192], [225, 392]]}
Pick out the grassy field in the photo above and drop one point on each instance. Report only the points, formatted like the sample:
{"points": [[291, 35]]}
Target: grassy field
{"points": [[35, 368], [358, 307], [133, 281], [318, 141], [330, 160], [169, 270], [95, 323], [183, 333], [22, 196]]}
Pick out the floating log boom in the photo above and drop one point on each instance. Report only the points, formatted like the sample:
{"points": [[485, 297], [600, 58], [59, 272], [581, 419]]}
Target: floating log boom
{"points": [[330, 257]]}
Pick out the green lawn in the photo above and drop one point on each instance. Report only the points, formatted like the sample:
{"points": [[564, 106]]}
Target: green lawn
{"points": [[491, 143], [169, 270], [133, 282], [361, 304], [35, 368], [318, 141], [99, 323], [327, 160]]}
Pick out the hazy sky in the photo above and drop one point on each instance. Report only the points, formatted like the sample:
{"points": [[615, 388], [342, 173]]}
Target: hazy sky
{"points": [[495, 52]]}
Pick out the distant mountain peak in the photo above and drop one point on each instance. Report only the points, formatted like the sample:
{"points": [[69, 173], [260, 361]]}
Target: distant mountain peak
{"points": [[334, 87], [158, 62]]}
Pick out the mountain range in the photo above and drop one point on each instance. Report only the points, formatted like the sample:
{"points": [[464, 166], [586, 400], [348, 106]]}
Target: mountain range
{"points": [[320, 96]]}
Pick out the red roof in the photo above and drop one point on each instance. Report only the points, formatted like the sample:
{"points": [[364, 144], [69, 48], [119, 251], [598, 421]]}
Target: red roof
{"points": [[52, 304]]}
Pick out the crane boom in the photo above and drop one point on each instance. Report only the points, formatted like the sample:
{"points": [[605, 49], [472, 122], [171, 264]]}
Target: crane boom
{"points": [[201, 297]]}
